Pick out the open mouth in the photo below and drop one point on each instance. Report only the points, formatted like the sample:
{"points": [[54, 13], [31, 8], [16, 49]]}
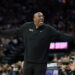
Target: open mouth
{"points": [[41, 22]]}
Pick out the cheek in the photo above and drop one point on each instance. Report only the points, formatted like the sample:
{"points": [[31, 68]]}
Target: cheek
{"points": [[37, 20]]}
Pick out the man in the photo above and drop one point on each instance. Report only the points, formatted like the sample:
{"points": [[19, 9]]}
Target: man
{"points": [[37, 37]]}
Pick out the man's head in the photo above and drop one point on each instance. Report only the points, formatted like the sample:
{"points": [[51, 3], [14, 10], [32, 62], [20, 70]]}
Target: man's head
{"points": [[38, 19]]}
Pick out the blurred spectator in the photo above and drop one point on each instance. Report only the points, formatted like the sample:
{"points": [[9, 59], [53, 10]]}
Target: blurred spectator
{"points": [[55, 58]]}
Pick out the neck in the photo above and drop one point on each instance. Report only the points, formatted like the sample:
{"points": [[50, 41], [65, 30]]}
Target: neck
{"points": [[37, 27]]}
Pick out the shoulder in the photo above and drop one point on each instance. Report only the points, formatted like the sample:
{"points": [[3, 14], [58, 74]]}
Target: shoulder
{"points": [[28, 23], [50, 29], [49, 26]]}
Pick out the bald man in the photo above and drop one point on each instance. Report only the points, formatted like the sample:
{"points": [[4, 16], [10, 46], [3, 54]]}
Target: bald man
{"points": [[37, 36]]}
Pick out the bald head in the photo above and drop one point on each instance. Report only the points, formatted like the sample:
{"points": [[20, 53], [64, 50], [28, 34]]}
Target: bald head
{"points": [[37, 13], [38, 19]]}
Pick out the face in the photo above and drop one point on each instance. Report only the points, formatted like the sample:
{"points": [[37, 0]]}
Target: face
{"points": [[38, 19]]}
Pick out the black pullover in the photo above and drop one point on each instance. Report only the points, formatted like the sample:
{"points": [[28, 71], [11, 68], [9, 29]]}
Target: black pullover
{"points": [[36, 41]]}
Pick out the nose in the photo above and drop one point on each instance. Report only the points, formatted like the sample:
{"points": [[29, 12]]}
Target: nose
{"points": [[42, 17]]}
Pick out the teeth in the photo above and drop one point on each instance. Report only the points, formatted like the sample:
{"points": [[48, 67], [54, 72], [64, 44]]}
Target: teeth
{"points": [[41, 22]]}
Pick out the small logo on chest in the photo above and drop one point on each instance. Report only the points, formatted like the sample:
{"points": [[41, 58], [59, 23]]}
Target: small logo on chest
{"points": [[41, 31], [31, 30]]}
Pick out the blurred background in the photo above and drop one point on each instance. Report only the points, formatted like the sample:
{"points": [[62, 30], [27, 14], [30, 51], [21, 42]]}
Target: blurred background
{"points": [[13, 13]]}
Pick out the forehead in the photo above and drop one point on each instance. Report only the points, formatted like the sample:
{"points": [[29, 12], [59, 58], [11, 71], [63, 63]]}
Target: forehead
{"points": [[38, 14]]}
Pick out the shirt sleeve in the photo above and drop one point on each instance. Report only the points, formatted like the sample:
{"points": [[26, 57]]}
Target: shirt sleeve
{"points": [[14, 31], [60, 35]]}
